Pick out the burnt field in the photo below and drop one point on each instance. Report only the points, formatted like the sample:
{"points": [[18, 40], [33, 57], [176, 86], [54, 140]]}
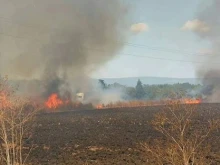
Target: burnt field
{"points": [[99, 136]]}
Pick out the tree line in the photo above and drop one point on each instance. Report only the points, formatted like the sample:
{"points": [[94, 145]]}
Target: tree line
{"points": [[155, 92]]}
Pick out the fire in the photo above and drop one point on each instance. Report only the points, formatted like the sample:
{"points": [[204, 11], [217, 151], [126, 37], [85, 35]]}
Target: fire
{"points": [[146, 103], [192, 101], [53, 101], [99, 106]]}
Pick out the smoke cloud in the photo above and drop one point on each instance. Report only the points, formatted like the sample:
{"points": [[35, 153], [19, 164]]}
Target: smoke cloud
{"points": [[210, 72], [60, 42]]}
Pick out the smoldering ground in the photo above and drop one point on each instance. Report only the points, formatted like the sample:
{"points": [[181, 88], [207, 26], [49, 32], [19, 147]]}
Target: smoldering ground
{"points": [[59, 42]]}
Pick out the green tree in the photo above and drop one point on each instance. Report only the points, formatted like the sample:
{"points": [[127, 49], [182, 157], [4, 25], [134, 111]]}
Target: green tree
{"points": [[102, 84], [130, 93], [139, 90]]}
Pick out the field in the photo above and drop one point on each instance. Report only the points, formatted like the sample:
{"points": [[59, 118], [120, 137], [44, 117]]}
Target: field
{"points": [[98, 136]]}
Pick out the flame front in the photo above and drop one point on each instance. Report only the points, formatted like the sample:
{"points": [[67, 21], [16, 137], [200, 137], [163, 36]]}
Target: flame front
{"points": [[53, 101], [192, 101], [127, 104]]}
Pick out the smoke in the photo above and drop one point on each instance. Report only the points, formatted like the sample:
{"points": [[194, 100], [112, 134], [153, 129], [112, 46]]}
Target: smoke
{"points": [[105, 97], [211, 82], [60, 43], [209, 71]]}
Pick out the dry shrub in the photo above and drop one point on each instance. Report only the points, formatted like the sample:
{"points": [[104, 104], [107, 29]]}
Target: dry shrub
{"points": [[186, 136], [15, 117]]}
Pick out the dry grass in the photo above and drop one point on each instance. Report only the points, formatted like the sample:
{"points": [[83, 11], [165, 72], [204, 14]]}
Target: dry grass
{"points": [[145, 103], [185, 138]]}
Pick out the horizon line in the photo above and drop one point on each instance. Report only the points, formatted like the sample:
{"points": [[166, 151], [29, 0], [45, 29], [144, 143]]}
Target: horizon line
{"points": [[146, 77]]}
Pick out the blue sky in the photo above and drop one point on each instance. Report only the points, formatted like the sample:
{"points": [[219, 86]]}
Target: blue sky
{"points": [[164, 39]]}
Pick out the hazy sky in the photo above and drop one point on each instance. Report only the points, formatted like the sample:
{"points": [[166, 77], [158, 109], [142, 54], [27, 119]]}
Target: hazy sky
{"points": [[161, 31], [161, 39]]}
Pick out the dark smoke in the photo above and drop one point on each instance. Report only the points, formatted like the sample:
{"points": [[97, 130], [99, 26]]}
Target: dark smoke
{"points": [[209, 71], [61, 40], [211, 82]]}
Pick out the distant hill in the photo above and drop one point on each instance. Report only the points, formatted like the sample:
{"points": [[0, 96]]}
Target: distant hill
{"points": [[132, 81]]}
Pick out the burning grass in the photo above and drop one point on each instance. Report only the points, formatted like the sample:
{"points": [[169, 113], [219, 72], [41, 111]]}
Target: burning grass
{"points": [[123, 104], [54, 103]]}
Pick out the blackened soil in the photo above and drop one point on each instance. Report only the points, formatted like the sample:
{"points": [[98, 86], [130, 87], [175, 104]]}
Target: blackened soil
{"points": [[96, 136]]}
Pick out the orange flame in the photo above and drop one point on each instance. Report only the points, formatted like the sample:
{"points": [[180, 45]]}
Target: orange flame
{"points": [[53, 101], [192, 101], [99, 106], [128, 104]]}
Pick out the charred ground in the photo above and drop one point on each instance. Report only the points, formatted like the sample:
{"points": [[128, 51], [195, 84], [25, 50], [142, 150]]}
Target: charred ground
{"points": [[98, 136]]}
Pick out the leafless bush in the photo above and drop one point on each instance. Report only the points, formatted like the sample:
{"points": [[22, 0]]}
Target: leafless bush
{"points": [[185, 139], [15, 115]]}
